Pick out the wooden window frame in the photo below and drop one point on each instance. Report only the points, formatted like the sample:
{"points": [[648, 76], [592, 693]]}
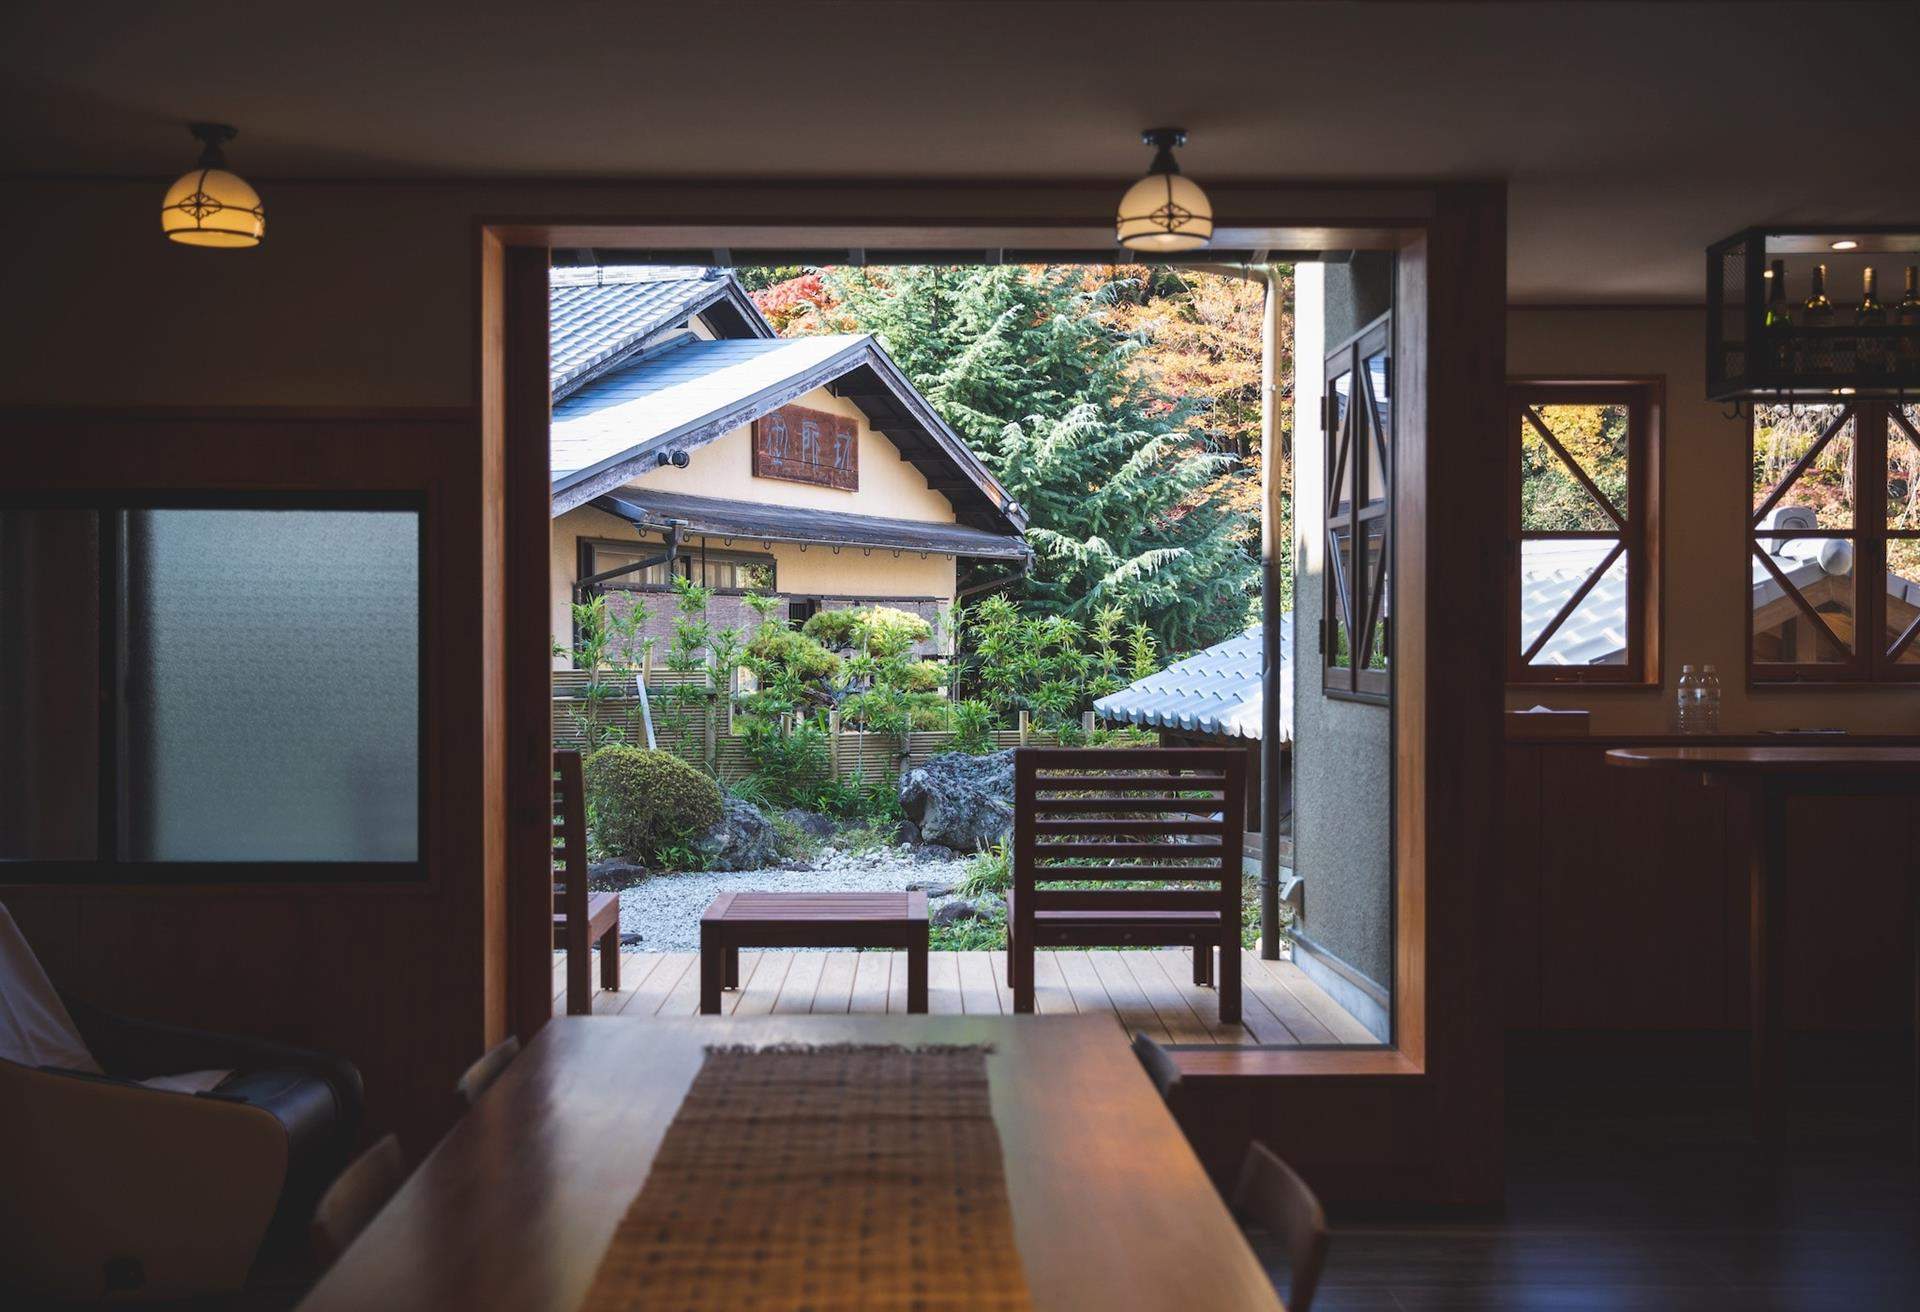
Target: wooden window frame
{"points": [[1875, 424], [682, 563], [1370, 577], [1639, 535]]}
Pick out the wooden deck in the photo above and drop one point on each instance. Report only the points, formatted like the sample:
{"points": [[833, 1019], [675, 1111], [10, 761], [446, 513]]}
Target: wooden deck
{"points": [[1152, 992]]}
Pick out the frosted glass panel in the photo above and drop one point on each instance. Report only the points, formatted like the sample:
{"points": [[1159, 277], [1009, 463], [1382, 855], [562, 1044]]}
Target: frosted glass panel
{"points": [[273, 685]]}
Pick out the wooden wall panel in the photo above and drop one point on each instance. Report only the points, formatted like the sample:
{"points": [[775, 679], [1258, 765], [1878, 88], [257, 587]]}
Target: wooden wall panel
{"points": [[393, 977], [1520, 889]]}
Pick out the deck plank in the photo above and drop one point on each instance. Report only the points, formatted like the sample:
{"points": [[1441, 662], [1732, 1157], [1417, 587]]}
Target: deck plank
{"points": [[943, 984], [1183, 1022], [660, 982], [1258, 1025], [1337, 1019], [896, 983], [759, 990], [1149, 991], [803, 979], [834, 995], [1135, 1012], [1300, 1022], [634, 969], [1082, 980], [977, 994], [870, 980]]}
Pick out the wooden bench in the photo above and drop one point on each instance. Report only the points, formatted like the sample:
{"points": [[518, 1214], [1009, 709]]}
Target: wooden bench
{"points": [[810, 920], [580, 918]]}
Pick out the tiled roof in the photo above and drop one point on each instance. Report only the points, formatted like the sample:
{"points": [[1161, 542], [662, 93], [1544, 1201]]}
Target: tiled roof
{"points": [[686, 388], [1216, 691], [1597, 630], [596, 315], [751, 521]]}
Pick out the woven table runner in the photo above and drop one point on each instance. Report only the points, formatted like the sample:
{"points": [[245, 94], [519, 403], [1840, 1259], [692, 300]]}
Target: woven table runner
{"points": [[823, 1178]]}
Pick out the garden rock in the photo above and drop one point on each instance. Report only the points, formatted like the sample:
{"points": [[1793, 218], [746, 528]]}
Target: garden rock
{"points": [[811, 823], [743, 840], [611, 876], [934, 852], [959, 801], [954, 912]]}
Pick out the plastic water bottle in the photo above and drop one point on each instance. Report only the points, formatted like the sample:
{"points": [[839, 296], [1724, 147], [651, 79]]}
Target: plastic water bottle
{"points": [[1686, 702], [1709, 700]]}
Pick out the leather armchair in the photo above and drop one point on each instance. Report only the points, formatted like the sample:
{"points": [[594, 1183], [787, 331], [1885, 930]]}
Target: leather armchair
{"points": [[116, 1189]]}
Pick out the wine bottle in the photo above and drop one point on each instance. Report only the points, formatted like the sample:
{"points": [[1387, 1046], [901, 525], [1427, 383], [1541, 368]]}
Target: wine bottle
{"points": [[1869, 353], [1778, 323], [1817, 356], [1907, 315]]}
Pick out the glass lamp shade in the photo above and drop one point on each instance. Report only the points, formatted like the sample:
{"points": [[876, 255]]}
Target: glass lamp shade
{"points": [[212, 207], [1164, 212]]}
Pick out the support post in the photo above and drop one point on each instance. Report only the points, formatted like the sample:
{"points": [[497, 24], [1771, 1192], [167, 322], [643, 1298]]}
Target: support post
{"points": [[1025, 725], [833, 744]]}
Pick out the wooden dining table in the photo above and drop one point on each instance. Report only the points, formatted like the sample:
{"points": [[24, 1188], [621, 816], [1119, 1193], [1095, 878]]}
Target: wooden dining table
{"points": [[1763, 778], [517, 1204]]}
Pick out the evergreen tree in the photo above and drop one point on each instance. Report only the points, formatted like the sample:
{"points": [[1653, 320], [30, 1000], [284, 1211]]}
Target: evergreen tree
{"points": [[1030, 367]]}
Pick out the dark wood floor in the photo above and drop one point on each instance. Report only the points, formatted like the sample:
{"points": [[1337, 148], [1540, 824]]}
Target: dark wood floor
{"points": [[1635, 1199]]}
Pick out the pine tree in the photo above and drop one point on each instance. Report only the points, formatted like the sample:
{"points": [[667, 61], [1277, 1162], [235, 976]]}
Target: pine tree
{"points": [[1030, 367]]}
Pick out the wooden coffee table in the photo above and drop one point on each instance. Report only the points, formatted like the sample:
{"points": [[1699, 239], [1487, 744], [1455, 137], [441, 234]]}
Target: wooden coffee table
{"points": [[810, 920]]}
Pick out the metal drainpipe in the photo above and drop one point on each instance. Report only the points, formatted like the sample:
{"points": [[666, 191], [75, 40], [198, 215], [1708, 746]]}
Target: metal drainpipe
{"points": [[1272, 666], [581, 586], [1026, 567]]}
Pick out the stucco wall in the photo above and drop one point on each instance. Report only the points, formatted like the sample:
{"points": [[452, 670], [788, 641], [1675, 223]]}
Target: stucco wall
{"points": [[1342, 752], [1704, 562]]}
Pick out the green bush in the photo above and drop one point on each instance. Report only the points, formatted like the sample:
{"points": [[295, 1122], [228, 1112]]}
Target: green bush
{"points": [[647, 803], [797, 655], [836, 628], [973, 723]]}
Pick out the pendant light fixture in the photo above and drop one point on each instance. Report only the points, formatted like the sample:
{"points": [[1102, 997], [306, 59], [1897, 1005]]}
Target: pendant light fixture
{"points": [[1164, 211], [210, 206]]}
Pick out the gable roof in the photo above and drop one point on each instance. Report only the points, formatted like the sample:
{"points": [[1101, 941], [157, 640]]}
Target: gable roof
{"points": [[598, 317], [1216, 691], [684, 393]]}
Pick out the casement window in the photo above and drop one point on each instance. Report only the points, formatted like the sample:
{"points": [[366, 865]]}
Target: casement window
{"points": [[211, 689], [726, 571], [1834, 543], [1356, 626], [1583, 584]]}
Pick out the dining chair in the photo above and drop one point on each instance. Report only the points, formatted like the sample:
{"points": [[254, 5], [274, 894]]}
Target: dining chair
{"points": [[1272, 1195], [354, 1199], [491, 1066], [1158, 1063]]}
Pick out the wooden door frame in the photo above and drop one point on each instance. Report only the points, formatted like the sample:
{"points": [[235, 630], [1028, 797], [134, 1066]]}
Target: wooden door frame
{"points": [[1441, 1081]]}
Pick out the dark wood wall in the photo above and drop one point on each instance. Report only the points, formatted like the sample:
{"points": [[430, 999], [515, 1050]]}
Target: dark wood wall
{"points": [[405, 980], [1624, 901]]}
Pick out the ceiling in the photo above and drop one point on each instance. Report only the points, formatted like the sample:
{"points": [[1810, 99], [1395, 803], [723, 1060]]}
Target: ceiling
{"points": [[1632, 134]]}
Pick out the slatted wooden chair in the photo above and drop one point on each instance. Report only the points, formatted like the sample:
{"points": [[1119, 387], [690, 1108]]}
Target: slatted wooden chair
{"points": [[1272, 1195], [356, 1197], [1160, 815], [580, 918]]}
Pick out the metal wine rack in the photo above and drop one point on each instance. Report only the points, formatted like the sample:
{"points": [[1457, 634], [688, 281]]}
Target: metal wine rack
{"points": [[1746, 360]]}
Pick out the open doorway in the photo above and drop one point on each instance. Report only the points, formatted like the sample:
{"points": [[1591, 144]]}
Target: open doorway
{"points": [[830, 535]]}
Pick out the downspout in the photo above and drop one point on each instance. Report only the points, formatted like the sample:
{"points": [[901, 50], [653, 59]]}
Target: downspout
{"points": [[583, 588], [1272, 666], [1026, 567]]}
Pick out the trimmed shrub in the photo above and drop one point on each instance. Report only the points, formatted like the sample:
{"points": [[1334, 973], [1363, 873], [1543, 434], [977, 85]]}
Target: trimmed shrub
{"points": [[778, 651], [838, 629], [643, 802], [892, 632]]}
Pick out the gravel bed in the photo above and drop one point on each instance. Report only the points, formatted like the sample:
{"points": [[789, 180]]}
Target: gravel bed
{"points": [[665, 909]]}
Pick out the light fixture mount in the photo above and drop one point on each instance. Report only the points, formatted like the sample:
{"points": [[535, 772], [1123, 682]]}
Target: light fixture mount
{"points": [[212, 138]]}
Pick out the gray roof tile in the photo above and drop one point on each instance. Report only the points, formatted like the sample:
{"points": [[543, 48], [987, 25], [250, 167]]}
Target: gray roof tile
{"points": [[1216, 691], [597, 314]]}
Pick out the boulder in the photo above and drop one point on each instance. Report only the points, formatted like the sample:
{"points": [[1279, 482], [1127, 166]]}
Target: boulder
{"points": [[811, 823], [960, 801], [954, 912], [612, 876], [743, 840]]}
